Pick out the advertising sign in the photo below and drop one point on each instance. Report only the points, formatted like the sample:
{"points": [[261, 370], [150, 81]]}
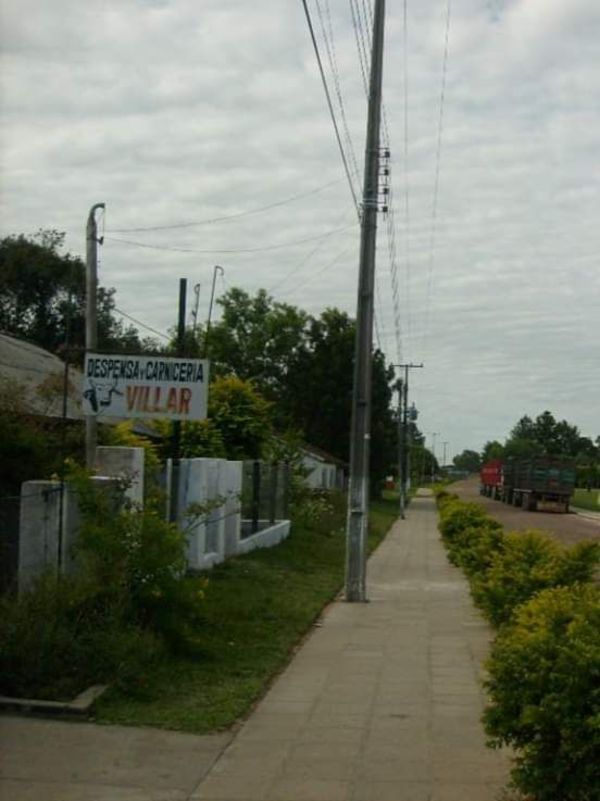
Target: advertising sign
{"points": [[145, 386]]}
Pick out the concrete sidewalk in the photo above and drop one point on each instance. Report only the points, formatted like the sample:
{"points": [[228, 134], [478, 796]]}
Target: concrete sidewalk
{"points": [[381, 703]]}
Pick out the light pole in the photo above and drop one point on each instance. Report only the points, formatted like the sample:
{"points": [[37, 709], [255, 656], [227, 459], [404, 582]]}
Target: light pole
{"points": [[434, 434], [217, 269]]}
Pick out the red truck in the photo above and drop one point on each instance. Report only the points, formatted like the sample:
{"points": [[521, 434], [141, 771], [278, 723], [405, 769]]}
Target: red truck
{"points": [[491, 477], [543, 483]]}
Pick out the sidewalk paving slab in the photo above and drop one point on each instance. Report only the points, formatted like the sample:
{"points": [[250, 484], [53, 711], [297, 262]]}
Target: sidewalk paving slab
{"points": [[391, 711]]}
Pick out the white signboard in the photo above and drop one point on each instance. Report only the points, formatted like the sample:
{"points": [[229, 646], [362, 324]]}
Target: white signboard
{"points": [[145, 386]]}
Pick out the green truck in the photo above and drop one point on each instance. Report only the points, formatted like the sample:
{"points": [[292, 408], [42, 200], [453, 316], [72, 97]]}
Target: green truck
{"points": [[543, 483]]}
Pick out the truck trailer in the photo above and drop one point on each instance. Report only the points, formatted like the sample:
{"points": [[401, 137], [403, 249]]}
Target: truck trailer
{"points": [[543, 483]]}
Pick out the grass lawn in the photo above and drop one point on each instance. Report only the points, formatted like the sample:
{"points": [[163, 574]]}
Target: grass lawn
{"points": [[587, 500], [256, 610]]}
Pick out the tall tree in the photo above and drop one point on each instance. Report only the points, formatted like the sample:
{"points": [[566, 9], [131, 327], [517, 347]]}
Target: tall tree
{"points": [[467, 460], [40, 287], [256, 338]]}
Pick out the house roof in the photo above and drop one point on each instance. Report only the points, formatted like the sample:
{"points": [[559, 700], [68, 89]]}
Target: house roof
{"points": [[36, 378], [323, 456]]}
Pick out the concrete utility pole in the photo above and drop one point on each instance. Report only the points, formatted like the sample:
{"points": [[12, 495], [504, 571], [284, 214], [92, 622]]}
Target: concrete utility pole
{"points": [[404, 444], [434, 434], [400, 396], [91, 319], [403, 434], [358, 495], [445, 444]]}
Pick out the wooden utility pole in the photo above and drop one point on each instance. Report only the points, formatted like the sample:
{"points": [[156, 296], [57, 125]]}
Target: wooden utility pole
{"points": [[360, 436]]}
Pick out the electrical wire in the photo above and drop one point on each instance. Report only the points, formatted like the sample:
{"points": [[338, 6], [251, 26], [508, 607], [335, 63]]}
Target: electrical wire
{"points": [[140, 323], [436, 183], [226, 217], [303, 261], [175, 249], [407, 227], [330, 105], [329, 40], [319, 272]]}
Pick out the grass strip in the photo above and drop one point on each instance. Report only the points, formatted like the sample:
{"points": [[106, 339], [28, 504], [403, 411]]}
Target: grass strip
{"points": [[586, 499], [256, 610]]}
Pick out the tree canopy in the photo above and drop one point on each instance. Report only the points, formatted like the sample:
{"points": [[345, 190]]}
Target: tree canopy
{"points": [[42, 288]]}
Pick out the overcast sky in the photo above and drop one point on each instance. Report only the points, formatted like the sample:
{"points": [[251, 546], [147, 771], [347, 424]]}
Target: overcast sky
{"points": [[183, 111]]}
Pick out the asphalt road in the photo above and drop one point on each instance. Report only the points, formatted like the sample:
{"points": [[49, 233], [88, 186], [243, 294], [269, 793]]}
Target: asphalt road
{"points": [[567, 528]]}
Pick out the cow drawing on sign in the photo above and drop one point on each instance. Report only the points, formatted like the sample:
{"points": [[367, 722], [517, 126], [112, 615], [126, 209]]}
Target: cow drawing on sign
{"points": [[100, 395]]}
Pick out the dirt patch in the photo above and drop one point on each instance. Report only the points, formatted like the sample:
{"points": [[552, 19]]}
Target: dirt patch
{"points": [[567, 528]]}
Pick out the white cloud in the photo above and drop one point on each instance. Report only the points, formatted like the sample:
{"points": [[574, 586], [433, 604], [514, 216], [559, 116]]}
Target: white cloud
{"points": [[172, 111]]}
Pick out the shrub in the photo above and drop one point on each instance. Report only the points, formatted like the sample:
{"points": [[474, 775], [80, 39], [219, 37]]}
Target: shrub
{"points": [[544, 685], [474, 547], [135, 559], [456, 516], [527, 563], [55, 639]]}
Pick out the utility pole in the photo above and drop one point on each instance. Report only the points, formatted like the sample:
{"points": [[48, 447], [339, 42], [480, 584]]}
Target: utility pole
{"points": [[445, 444], [91, 319], [360, 435], [434, 434], [176, 440], [400, 396], [403, 439], [212, 297]]}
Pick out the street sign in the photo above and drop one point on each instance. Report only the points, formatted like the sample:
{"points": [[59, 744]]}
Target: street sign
{"points": [[119, 385]]}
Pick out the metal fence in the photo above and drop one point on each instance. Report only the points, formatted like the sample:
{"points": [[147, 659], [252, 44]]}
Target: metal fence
{"points": [[265, 495], [10, 506]]}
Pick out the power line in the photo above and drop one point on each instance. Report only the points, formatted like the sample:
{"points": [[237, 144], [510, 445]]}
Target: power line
{"points": [[330, 105], [407, 254], [303, 261], [226, 216], [175, 249], [319, 272], [437, 176], [143, 325], [331, 54]]}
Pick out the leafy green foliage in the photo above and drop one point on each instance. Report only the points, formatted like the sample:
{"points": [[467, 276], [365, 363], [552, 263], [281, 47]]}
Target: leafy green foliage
{"points": [[527, 563], [40, 288], [241, 415], [544, 670], [56, 639], [136, 560], [467, 460], [544, 686]]}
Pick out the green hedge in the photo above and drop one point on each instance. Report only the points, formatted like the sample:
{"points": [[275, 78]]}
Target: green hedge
{"points": [[542, 597], [544, 685]]}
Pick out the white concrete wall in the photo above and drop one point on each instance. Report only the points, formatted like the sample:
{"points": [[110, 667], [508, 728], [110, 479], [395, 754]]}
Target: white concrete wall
{"points": [[39, 527], [267, 538], [124, 463]]}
